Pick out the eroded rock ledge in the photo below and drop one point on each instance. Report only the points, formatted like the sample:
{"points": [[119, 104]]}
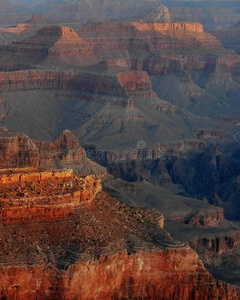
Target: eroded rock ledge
{"points": [[27, 194]]}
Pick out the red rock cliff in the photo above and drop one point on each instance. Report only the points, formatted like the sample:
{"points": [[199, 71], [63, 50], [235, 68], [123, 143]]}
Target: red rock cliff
{"points": [[105, 250]]}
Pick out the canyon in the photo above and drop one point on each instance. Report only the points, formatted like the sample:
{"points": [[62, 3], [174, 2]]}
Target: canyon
{"points": [[57, 232], [30, 194], [128, 84], [141, 189]]}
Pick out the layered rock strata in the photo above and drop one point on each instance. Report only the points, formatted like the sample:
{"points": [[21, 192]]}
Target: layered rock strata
{"points": [[43, 195], [58, 40], [76, 254]]}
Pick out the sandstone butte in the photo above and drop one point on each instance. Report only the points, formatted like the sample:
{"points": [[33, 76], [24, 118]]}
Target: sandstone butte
{"points": [[54, 42], [61, 237]]}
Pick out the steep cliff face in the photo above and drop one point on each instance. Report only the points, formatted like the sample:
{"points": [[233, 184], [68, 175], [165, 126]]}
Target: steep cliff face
{"points": [[64, 41], [127, 267], [60, 40], [151, 33], [218, 247], [218, 250], [88, 245], [136, 84]]}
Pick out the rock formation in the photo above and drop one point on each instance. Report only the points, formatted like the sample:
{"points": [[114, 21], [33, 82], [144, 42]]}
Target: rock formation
{"points": [[53, 42], [205, 173], [152, 37], [145, 194], [23, 30], [18, 150], [61, 237], [134, 65], [30, 194], [189, 220], [85, 240]]}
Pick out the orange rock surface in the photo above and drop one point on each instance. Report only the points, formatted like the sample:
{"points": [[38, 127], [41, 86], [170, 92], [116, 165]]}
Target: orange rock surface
{"points": [[27, 194]]}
